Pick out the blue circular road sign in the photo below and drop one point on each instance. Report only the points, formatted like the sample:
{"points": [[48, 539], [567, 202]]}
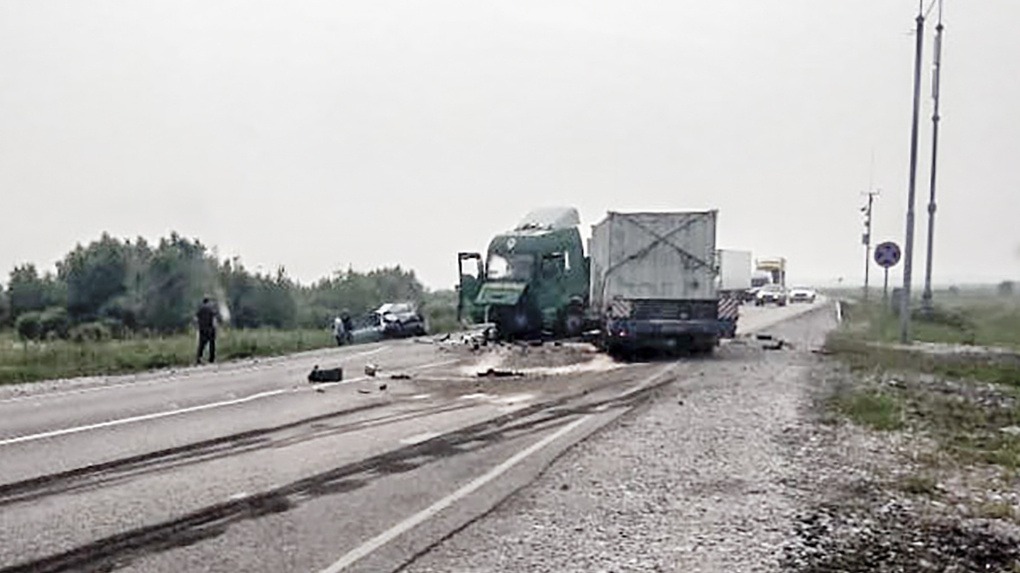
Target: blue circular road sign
{"points": [[887, 254]]}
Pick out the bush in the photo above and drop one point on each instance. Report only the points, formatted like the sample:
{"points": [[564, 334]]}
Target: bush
{"points": [[90, 332], [954, 319], [53, 322], [29, 325]]}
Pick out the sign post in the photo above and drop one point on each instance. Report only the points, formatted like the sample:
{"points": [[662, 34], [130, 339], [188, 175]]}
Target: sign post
{"points": [[887, 255]]}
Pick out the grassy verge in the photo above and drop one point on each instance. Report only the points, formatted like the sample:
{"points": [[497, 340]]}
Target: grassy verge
{"points": [[62, 359], [969, 320], [944, 396]]}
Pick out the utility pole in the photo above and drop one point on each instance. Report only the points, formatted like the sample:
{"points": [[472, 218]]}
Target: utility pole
{"points": [[867, 238], [908, 254], [926, 299]]}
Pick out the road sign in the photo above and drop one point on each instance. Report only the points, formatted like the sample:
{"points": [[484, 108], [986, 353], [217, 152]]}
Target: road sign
{"points": [[887, 254]]}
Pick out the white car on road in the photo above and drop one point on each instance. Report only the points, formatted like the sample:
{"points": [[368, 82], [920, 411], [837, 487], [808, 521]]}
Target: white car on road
{"points": [[803, 294]]}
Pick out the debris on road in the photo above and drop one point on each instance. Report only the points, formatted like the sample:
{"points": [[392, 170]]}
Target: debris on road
{"points": [[364, 391], [400, 376], [500, 373], [371, 369], [327, 375], [382, 387]]}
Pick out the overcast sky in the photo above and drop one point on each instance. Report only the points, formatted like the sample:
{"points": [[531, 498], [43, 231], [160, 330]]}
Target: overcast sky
{"points": [[322, 135]]}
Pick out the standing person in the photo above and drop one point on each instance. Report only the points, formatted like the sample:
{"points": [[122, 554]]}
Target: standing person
{"points": [[207, 315]]}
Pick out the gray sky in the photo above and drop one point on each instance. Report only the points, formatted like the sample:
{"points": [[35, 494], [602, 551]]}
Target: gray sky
{"points": [[319, 135]]}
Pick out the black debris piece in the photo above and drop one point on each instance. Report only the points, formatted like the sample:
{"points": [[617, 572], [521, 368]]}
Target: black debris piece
{"points": [[326, 375]]}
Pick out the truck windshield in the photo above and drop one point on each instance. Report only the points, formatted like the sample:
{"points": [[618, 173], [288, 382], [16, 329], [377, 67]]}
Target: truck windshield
{"points": [[510, 267]]}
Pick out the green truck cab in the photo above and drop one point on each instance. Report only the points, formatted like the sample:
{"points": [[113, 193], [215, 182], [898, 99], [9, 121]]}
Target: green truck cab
{"points": [[533, 279]]}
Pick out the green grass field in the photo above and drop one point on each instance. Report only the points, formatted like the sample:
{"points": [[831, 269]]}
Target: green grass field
{"points": [[943, 395], [21, 362], [973, 318]]}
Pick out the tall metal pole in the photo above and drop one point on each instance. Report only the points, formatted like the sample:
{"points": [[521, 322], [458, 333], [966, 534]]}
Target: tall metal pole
{"points": [[885, 292], [926, 299], [867, 241], [908, 253]]}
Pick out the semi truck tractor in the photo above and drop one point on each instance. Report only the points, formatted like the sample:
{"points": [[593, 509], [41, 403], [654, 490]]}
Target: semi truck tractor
{"points": [[654, 282], [533, 279]]}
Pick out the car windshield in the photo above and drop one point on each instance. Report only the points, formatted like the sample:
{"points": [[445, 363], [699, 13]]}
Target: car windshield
{"points": [[510, 267], [772, 288]]}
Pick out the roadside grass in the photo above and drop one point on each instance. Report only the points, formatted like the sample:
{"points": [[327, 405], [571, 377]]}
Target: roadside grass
{"points": [[874, 409], [943, 395], [919, 485], [981, 320], [20, 362]]}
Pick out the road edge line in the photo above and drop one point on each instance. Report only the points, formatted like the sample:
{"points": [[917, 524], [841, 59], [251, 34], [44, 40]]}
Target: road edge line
{"points": [[370, 546]]}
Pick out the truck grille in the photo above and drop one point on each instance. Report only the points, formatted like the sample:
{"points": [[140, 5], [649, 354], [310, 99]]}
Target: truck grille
{"points": [[674, 309]]}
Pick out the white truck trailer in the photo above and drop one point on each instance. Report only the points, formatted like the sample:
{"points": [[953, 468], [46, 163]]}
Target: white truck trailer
{"points": [[654, 282], [734, 281]]}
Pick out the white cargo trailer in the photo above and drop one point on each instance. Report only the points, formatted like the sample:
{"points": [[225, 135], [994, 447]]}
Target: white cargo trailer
{"points": [[734, 270], [653, 281]]}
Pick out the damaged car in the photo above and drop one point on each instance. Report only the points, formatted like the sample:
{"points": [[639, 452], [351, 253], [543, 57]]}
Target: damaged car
{"points": [[391, 320]]}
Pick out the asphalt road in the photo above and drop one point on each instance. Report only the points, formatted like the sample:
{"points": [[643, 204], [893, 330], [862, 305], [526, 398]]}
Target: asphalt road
{"points": [[247, 467]]}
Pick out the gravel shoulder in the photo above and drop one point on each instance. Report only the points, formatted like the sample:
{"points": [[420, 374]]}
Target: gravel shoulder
{"points": [[702, 477]]}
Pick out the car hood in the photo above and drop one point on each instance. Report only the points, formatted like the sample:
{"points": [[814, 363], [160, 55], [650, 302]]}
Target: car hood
{"points": [[500, 293]]}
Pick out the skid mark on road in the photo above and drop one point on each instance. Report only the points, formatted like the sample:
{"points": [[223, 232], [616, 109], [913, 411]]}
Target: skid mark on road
{"points": [[424, 515], [418, 438]]}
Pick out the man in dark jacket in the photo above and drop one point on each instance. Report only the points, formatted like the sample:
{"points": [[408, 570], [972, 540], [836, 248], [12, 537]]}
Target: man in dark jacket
{"points": [[207, 315]]}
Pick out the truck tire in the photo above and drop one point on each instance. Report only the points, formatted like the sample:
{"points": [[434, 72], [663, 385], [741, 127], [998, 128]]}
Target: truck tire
{"points": [[573, 322]]}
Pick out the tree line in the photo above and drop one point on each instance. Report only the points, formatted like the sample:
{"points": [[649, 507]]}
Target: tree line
{"points": [[113, 288]]}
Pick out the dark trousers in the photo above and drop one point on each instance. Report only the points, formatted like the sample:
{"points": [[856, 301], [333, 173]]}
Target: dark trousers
{"points": [[206, 337]]}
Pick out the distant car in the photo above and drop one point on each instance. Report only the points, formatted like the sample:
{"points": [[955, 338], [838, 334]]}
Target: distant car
{"points": [[771, 293], [751, 294], [802, 294]]}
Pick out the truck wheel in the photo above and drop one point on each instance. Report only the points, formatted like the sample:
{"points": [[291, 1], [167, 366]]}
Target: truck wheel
{"points": [[573, 322]]}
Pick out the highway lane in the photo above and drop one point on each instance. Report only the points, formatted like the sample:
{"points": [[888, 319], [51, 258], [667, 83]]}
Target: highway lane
{"points": [[112, 503], [300, 455], [121, 397]]}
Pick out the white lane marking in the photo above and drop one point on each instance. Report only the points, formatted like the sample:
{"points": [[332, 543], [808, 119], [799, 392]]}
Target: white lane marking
{"points": [[418, 438], [392, 533], [515, 398], [839, 312], [475, 396], [142, 418], [420, 396], [259, 368]]}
